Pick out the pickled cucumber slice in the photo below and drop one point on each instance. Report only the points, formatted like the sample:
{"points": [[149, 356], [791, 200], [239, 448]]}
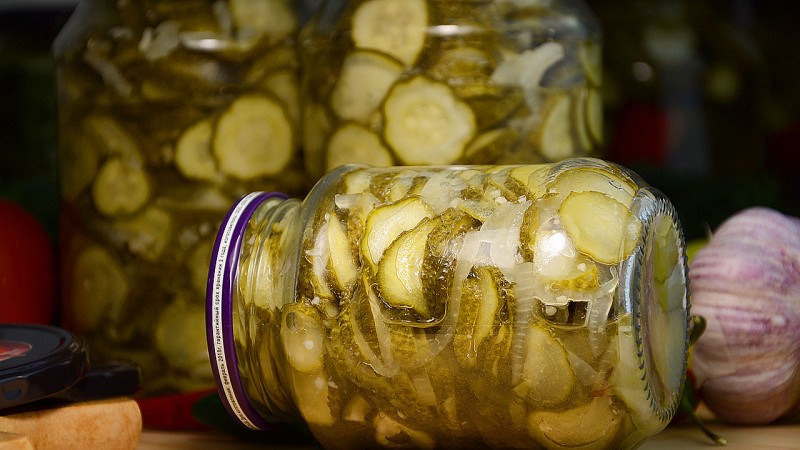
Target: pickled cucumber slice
{"points": [[146, 234], [547, 378], [530, 175], [487, 147], [273, 60], [464, 65], [480, 300], [579, 121], [193, 156], [444, 243], [590, 426], [313, 397], [274, 19], [120, 188], [180, 335], [354, 143], [600, 226], [78, 163], [590, 56], [426, 123], [493, 105], [385, 223], [254, 137], [364, 80], [342, 267], [594, 114], [399, 271], [553, 137], [99, 289], [316, 125], [303, 337], [395, 27], [356, 410], [628, 380], [283, 85], [112, 138], [665, 252], [586, 179], [390, 433]]}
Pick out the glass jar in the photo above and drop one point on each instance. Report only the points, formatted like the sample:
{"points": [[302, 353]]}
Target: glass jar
{"points": [[169, 110], [432, 82], [454, 307]]}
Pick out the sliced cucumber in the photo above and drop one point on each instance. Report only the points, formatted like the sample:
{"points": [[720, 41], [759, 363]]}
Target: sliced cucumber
{"points": [[547, 378], [396, 27], [180, 335], [385, 223], [553, 137], [487, 147], [283, 85], [274, 19], [313, 396], [365, 79], [254, 137], [594, 114], [343, 269], [590, 426], [78, 162], [193, 156], [120, 188], [594, 179], [303, 337], [426, 123], [399, 271], [99, 289], [600, 226], [354, 143], [480, 300], [146, 234], [112, 138]]}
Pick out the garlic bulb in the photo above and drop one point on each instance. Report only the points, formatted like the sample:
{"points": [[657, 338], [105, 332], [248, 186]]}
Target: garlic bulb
{"points": [[746, 283]]}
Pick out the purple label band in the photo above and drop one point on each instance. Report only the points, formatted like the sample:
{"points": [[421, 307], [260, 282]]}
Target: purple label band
{"points": [[219, 309]]}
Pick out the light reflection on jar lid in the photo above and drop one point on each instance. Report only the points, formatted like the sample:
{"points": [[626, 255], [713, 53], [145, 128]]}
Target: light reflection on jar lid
{"points": [[13, 349]]}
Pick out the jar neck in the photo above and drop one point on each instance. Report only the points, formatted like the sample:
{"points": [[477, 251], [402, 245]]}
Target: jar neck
{"points": [[249, 273]]}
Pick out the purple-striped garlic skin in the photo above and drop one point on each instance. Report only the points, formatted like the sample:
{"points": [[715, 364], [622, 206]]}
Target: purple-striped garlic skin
{"points": [[746, 284]]}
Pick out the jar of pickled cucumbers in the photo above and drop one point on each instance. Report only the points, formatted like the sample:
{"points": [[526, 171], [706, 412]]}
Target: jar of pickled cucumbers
{"points": [[432, 82], [527, 306], [169, 110]]}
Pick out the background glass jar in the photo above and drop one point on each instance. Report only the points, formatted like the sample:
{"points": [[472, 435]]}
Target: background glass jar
{"points": [[420, 82], [466, 307], [169, 110]]}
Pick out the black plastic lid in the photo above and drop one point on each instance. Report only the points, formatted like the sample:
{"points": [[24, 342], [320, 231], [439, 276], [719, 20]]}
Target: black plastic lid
{"points": [[38, 361]]}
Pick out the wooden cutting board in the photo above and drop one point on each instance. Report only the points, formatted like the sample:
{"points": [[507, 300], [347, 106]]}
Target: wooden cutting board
{"points": [[112, 423]]}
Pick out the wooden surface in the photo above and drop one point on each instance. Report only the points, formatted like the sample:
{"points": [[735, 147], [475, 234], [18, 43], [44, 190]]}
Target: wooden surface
{"points": [[683, 437]]}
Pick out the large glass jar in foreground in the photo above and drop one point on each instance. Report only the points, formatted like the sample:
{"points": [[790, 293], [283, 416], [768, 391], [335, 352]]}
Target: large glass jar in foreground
{"points": [[421, 82], [169, 110], [454, 307]]}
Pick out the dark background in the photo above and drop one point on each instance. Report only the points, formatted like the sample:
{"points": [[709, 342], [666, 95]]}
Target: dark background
{"points": [[716, 125]]}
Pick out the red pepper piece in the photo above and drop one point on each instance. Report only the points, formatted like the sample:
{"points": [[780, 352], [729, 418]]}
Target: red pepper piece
{"points": [[172, 412]]}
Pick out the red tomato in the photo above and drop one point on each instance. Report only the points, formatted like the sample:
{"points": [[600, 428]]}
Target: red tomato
{"points": [[27, 268]]}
